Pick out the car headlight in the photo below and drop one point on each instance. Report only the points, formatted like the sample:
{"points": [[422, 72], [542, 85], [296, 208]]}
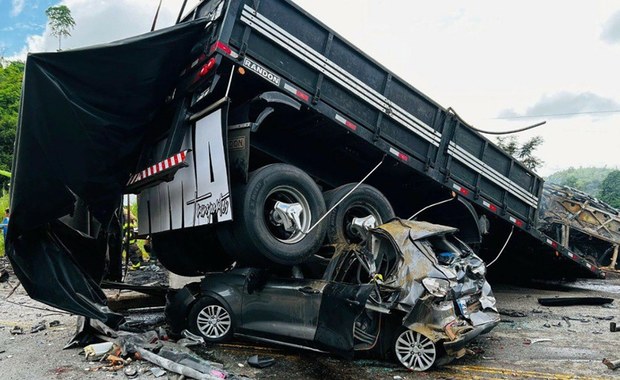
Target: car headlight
{"points": [[436, 286], [480, 270]]}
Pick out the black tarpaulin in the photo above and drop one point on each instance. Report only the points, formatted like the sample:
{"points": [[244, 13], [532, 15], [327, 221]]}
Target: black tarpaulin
{"points": [[84, 116]]}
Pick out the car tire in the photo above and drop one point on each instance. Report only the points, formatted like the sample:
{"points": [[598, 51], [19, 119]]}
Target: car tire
{"points": [[211, 320], [364, 201], [414, 351], [255, 236]]}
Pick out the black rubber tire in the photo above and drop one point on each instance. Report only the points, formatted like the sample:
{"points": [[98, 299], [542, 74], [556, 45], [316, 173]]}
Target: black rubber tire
{"points": [[251, 237], [202, 304], [364, 199]]}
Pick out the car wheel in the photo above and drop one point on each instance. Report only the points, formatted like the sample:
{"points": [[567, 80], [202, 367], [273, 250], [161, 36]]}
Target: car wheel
{"points": [[414, 350], [365, 201], [261, 224], [211, 320]]}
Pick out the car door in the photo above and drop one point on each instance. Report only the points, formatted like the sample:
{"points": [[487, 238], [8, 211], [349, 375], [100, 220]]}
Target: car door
{"points": [[283, 309]]}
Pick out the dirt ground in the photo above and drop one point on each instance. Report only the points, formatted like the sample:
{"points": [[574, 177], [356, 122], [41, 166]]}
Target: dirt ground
{"points": [[573, 342]]}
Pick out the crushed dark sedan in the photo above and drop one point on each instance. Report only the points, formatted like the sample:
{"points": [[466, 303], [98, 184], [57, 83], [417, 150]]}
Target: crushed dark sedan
{"points": [[412, 291]]}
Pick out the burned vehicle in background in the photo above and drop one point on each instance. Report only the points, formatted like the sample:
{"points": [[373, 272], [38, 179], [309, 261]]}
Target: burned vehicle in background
{"points": [[412, 292]]}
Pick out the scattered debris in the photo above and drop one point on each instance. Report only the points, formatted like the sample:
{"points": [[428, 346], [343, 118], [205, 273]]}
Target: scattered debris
{"points": [[17, 330], [612, 364], [534, 341], [537, 311], [131, 372], [512, 313], [613, 328], [567, 320], [178, 368], [190, 339], [55, 323], [99, 350], [261, 362], [607, 318], [38, 327], [582, 320], [4, 276], [547, 325], [574, 301], [157, 372]]}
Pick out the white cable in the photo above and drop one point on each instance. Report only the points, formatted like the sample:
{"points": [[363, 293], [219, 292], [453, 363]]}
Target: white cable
{"points": [[429, 206], [343, 198], [502, 250]]}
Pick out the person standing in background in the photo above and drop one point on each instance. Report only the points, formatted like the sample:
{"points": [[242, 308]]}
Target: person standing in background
{"points": [[5, 223]]}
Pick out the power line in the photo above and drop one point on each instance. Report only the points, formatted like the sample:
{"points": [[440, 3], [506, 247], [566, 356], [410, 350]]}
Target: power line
{"points": [[555, 115]]}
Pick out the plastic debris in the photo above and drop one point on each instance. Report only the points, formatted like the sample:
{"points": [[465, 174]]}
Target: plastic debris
{"points": [[98, 351], [613, 328], [612, 364], [261, 362]]}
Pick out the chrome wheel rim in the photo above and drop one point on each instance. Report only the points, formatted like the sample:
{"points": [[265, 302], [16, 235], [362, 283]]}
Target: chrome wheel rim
{"points": [[213, 321], [415, 351], [291, 196], [358, 210]]}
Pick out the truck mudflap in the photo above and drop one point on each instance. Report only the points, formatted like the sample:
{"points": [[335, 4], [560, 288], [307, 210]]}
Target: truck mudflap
{"points": [[83, 118]]}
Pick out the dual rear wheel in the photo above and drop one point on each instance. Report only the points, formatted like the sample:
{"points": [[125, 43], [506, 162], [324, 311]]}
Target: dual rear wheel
{"points": [[276, 213]]}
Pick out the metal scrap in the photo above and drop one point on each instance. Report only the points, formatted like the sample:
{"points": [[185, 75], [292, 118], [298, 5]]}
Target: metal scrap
{"points": [[574, 301], [38, 327], [512, 313], [534, 341]]}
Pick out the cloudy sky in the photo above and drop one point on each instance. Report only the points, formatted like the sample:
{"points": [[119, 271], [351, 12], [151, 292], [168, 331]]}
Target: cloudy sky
{"points": [[501, 65]]}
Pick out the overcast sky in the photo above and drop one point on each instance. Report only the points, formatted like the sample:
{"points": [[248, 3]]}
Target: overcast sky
{"points": [[501, 65]]}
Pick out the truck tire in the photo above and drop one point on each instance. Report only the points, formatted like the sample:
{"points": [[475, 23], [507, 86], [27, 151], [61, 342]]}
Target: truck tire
{"points": [[256, 234], [190, 252], [364, 201]]}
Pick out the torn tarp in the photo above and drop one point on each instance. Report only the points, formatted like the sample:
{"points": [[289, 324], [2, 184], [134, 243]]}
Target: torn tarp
{"points": [[83, 118]]}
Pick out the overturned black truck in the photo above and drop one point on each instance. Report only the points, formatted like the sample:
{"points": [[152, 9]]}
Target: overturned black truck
{"points": [[254, 134]]}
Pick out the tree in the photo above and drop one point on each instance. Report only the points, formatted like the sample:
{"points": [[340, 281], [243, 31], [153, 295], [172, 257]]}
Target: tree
{"points": [[523, 153], [610, 189], [11, 76], [60, 21]]}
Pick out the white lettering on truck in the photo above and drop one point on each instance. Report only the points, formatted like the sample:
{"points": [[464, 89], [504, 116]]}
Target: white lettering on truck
{"points": [[260, 70]]}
